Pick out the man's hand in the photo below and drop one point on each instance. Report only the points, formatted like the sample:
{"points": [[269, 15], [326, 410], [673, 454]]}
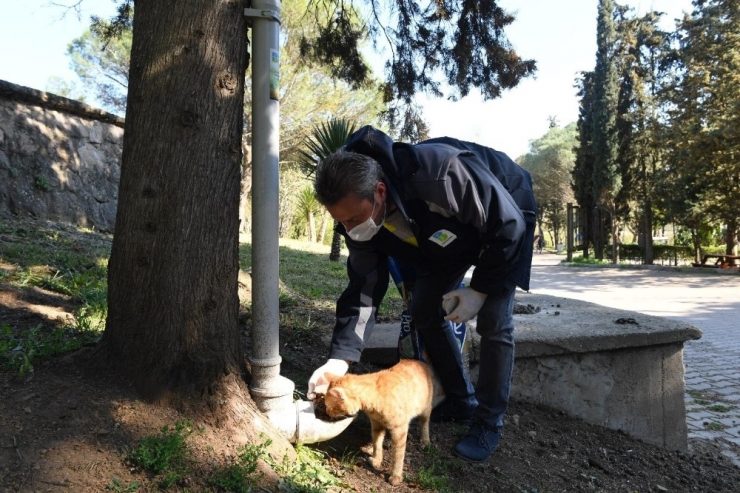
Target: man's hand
{"points": [[318, 383], [462, 304]]}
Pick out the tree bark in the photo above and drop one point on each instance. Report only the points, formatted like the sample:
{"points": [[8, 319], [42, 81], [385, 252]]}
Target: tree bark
{"points": [[598, 234], [311, 224], [730, 234], [172, 322], [648, 213], [325, 217], [336, 245], [246, 187]]}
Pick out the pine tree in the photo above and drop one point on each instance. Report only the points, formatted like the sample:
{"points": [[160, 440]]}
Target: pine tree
{"points": [[550, 162], [705, 122], [642, 47]]}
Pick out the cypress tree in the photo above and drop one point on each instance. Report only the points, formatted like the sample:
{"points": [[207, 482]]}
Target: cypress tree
{"points": [[607, 177], [583, 169]]}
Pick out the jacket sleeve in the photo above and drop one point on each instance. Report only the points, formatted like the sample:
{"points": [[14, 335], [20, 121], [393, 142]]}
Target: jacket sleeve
{"points": [[367, 269], [478, 198]]}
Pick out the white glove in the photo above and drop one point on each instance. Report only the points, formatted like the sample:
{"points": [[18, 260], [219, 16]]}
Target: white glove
{"points": [[462, 304], [318, 384]]}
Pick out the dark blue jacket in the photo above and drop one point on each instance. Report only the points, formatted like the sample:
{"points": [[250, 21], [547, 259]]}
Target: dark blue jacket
{"points": [[477, 194]]}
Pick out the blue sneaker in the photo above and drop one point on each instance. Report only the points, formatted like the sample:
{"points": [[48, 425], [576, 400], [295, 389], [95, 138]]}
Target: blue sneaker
{"points": [[478, 443], [453, 410]]}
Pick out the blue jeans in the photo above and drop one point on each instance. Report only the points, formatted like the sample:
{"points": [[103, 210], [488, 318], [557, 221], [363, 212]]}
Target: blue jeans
{"points": [[495, 326]]}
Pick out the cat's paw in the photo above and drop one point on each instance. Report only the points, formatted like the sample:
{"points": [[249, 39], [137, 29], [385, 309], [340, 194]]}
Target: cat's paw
{"points": [[375, 462], [395, 479]]}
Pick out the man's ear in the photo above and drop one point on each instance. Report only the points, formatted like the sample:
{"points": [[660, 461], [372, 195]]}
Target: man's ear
{"points": [[382, 189]]}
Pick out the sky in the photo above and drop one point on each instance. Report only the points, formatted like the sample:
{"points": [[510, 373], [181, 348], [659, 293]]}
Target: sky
{"points": [[559, 34]]}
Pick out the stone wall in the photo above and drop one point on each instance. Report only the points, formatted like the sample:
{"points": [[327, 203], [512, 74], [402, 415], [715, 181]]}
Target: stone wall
{"points": [[59, 159]]}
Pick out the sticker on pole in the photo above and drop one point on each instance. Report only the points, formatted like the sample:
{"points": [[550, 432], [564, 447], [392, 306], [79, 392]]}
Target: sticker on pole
{"points": [[274, 74]]}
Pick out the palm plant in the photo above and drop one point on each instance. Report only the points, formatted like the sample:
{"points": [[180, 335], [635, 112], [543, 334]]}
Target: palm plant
{"points": [[323, 140], [308, 207]]}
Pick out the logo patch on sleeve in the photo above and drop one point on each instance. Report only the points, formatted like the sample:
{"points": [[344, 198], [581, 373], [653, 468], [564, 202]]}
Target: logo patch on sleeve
{"points": [[443, 237]]}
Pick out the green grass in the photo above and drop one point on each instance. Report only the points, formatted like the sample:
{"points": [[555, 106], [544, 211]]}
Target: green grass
{"points": [[308, 474], [64, 260], [242, 475], [433, 475], [590, 261], [309, 278], [721, 408], [20, 349], [165, 455], [118, 487], [73, 262]]}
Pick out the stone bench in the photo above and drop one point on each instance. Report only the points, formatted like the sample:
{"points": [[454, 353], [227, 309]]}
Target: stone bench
{"points": [[614, 368]]}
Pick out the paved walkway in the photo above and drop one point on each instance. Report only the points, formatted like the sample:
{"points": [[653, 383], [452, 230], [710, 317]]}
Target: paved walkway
{"points": [[709, 301]]}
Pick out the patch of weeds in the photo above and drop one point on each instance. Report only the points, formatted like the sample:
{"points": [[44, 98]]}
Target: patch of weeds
{"points": [[29, 277], [714, 426], [589, 261], [302, 328], [306, 475], [165, 454], [118, 487], [89, 286], [460, 428], [286, 299], [702, 397], [242, 475], [350, 458], [306, 329], [434, 475], [432, 479], [721, 408], [41, 183], [15, 353], [19, 351]]}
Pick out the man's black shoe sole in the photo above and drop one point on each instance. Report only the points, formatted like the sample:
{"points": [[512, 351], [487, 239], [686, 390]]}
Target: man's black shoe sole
{"points": [[468, 459]]}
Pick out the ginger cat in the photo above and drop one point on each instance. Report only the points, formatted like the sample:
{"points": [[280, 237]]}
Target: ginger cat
{"points": [[391, 398]]}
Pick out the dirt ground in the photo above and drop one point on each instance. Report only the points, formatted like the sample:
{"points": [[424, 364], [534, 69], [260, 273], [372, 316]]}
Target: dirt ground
{"points": [[64, 428]]}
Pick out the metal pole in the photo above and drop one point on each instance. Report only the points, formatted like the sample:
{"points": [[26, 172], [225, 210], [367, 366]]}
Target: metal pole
{"points": [[268, 388], [569, 233]]}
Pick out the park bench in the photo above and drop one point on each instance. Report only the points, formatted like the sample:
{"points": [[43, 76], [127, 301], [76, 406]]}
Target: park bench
{"points": [[721, 261]]}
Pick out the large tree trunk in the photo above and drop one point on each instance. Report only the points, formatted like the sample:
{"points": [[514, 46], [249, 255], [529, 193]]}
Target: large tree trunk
{"points": [[730, 235], [325, 218], [172, 301], [311, 225], [598, 234]]}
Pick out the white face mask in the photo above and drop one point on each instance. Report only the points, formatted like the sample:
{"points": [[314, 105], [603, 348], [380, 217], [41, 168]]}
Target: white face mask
{"points": [[365, 231]]}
